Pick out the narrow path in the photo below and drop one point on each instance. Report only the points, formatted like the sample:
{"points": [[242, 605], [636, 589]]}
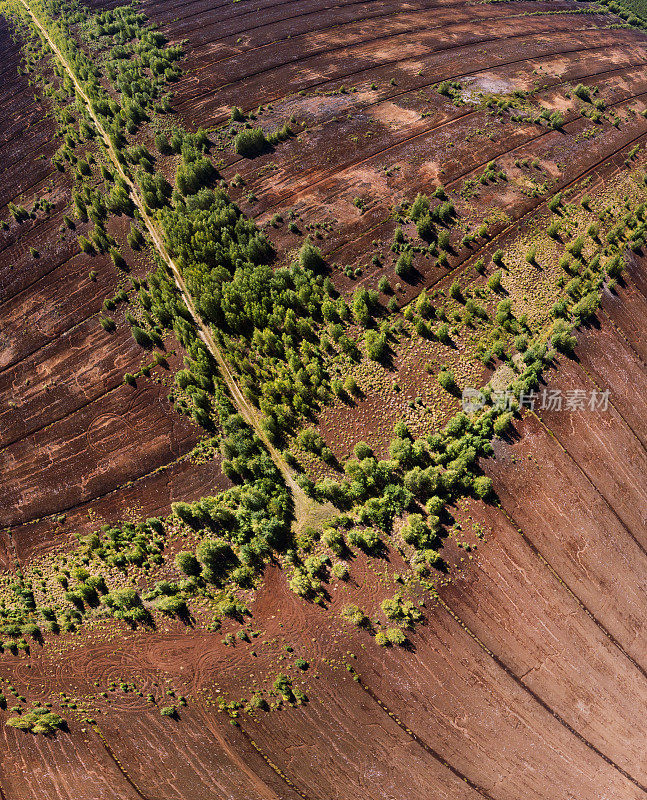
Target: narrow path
{"points": [[303, 505]]}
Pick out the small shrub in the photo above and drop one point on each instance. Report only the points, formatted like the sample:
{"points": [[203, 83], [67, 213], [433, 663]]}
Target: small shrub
{"points": [[396, 636], [107, 324], [447, 381], [494, 281], [340, 571], [250, 142], [482, 487], [141, 336], [310, 257]]}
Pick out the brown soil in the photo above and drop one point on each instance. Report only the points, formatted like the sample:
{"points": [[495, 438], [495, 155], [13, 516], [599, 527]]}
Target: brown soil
{"points": [[528, 677]]}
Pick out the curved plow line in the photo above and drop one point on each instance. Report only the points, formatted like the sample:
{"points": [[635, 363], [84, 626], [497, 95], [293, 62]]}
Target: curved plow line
{"points": [[538, 699], [114, 490], [390, 62], [118, 763], [535, 550], [276, 769], [313, 13], [465, 263], [340, 25], [420, 87], [421, 742], [473, 170], [566, 452]]}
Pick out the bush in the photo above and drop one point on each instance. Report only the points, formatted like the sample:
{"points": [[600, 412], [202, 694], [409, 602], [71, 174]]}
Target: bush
{"points": [[420, 207], [583, 92], [555, 202], [355, 615], [340, 571], [587, 306], [442, 334], [362, 451], [107, 324], [334, 539], [85, 245], [117, 259], [172, 606], [556, 120], [350, 385], [444, 240], [455, 291], [482, 487], [418, 532], [302, 584], [375, 345], [425, 228], [435, 505], [38, 720], [404, 264], [576, 247], [135, 238], [162, 144], [447, 381], [494, 281], [562, 337], [141, 336], [216, 557], [396, 636], [250, 142], [502, 423], [280, 135], [187, 563], [185, 512], [615, 267], [310, 257]]}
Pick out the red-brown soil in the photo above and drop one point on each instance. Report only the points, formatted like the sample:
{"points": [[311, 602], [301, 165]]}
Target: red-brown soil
{"points": [[528, 676]]}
